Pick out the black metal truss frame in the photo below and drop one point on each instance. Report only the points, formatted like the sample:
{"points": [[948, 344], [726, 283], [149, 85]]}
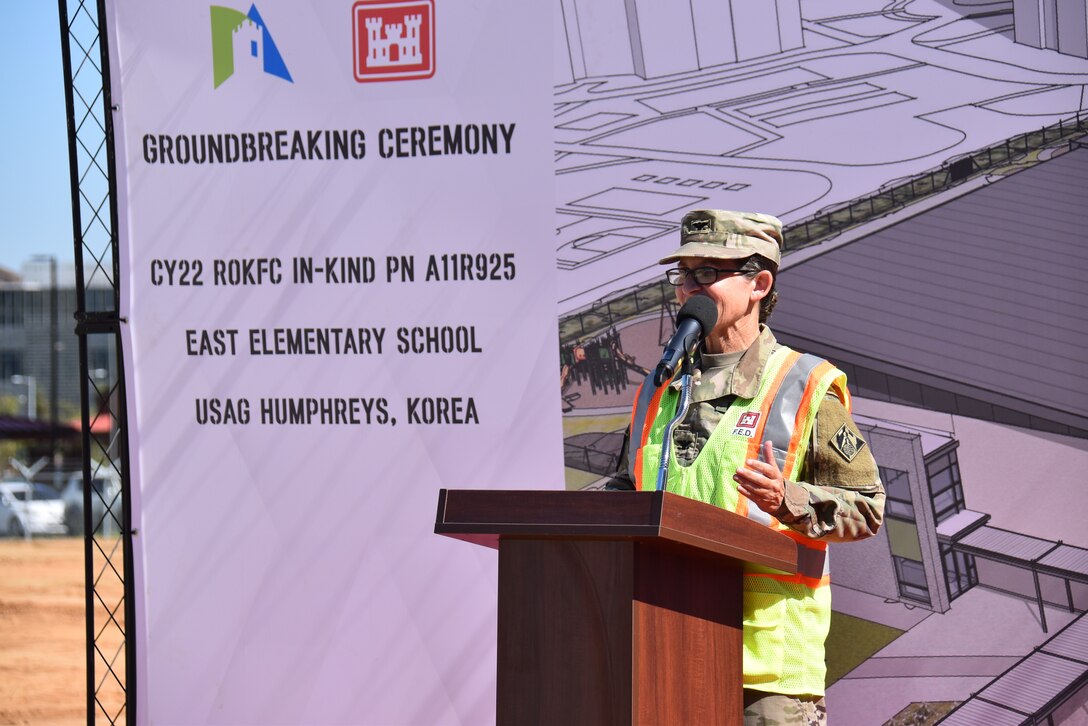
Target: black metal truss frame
{"points": [[108, 562]]}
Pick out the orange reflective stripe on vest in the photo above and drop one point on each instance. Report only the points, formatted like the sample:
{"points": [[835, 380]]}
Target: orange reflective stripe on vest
{"points": [[647, 403]]}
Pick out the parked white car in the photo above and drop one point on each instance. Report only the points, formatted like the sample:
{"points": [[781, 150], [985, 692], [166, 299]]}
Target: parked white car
{"points": [[106, 491], [30, 508]]}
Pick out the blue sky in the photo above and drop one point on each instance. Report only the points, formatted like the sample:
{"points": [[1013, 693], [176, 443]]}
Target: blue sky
{"points": [[35, 201]]}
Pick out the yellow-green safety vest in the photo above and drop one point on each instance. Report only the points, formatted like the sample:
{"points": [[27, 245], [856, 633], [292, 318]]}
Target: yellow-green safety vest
{"points": [[786, 617]]}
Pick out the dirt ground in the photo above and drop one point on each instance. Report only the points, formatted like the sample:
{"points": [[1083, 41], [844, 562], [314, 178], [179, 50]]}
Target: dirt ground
{"points": [[43, 632]]}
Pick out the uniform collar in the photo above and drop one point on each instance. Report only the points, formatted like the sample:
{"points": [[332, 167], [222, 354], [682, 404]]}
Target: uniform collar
{"points": [[741, 380]]}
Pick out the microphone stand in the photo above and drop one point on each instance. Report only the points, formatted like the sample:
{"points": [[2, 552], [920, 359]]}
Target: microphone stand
{"points": [[681, 410]]}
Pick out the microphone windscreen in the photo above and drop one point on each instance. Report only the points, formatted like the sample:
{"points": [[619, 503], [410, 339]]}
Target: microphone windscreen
{"points": [[701, 309]]}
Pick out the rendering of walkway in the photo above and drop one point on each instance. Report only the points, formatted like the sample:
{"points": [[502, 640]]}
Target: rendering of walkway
{"points": [[940, 657]]}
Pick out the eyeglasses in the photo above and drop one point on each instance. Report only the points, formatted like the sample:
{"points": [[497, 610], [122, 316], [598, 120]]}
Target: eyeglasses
{"points": [[702, 275]]}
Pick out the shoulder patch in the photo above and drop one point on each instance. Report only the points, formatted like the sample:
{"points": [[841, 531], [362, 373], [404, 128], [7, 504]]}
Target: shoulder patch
{"points": [[847, 443]]}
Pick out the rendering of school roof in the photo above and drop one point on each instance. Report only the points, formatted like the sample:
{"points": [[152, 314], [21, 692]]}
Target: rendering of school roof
{"points": [[986, 293]]}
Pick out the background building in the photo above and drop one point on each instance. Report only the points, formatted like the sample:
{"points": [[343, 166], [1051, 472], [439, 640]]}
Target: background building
{"points": [[1060, 25], [652, 39], [28, 311]]}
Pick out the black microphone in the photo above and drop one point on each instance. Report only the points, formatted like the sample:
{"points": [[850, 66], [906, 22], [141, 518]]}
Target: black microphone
{"points": [[696, 318]]}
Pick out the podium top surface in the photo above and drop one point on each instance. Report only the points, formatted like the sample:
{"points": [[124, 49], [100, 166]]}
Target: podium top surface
{"points": [[486, 516]]}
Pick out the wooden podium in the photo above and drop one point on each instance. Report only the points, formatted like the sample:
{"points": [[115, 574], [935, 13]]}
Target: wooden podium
{"points": [[615, 607]]}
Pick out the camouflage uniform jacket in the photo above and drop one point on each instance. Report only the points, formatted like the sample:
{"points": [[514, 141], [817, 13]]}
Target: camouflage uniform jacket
{"points": [[839, 498]]}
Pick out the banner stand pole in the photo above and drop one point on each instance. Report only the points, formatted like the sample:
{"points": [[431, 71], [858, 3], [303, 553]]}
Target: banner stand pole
{"points": [[110, 689]]}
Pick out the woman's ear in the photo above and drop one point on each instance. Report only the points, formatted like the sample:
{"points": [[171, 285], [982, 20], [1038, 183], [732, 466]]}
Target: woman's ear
{"points": [[764, 281]]}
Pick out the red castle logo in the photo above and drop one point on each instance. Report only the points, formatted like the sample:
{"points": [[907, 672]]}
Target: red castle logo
{"points": [[393, 39], [749, 419]]}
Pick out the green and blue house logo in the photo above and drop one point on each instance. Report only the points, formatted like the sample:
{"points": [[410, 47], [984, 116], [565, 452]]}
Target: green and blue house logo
{"points": [[242, 44]]}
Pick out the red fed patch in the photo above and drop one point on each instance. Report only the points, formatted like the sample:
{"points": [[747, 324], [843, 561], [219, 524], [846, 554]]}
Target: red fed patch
{"points": [[746, 424]]}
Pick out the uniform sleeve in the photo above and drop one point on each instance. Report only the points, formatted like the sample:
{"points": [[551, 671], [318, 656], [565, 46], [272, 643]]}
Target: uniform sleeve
{"points": [[840, 497]]}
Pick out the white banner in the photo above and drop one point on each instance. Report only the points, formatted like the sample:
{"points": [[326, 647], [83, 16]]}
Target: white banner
{"points": [[338, 275]]}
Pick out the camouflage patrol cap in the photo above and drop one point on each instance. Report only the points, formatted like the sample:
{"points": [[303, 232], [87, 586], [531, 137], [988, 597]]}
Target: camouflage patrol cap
{"points": [[728, 236]]}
